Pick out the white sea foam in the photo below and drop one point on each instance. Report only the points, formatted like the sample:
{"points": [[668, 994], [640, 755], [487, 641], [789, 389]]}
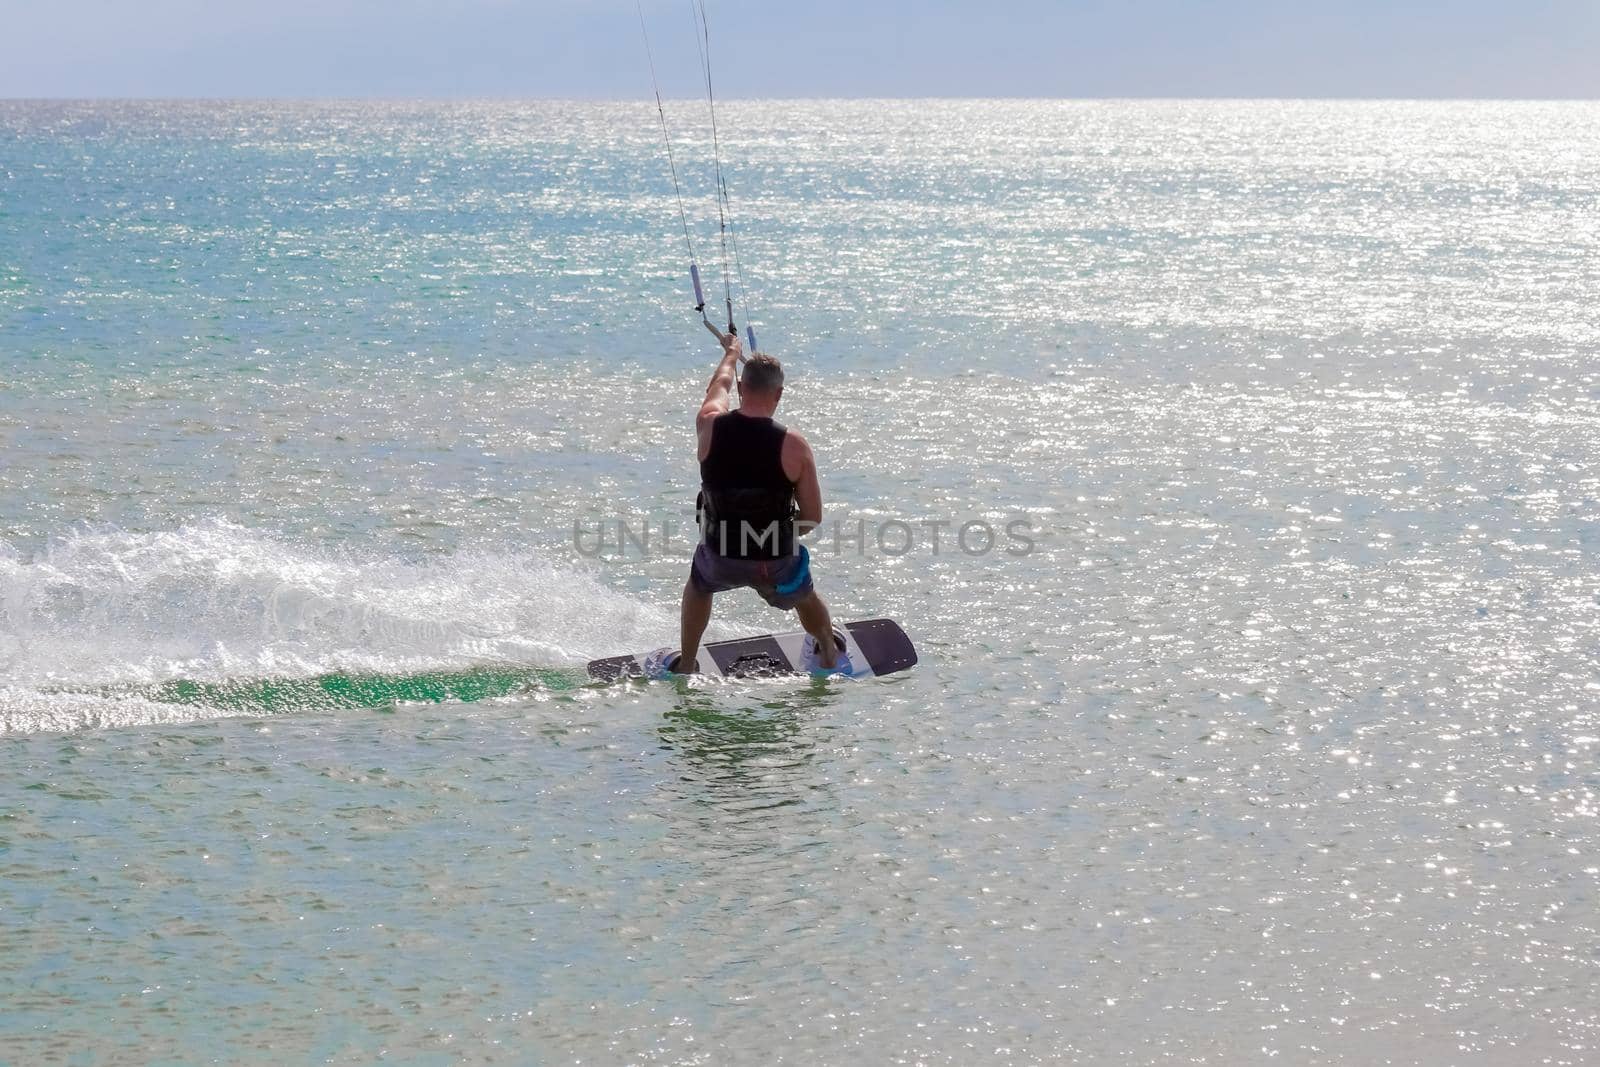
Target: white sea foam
{"points": [[214, 600]]}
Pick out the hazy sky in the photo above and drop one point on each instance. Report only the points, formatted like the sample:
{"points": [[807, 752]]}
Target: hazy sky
{"points": [[592, 48]]}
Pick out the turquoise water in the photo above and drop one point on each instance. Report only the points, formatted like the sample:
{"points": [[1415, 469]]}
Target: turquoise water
{"points": [[1280, 745]]}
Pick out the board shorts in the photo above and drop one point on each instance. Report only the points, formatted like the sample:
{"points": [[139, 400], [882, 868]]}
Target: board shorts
{"points": [[782, 582]]}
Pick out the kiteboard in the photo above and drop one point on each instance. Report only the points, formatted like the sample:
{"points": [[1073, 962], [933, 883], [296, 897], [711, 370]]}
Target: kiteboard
{"points": [[873, 646]]}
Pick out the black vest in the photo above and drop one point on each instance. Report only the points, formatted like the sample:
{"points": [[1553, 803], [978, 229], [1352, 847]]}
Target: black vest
{"points": [[746, 505]]}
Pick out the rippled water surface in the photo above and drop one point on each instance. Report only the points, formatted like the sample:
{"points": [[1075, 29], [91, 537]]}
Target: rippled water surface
{"points": [[1279, 746]]}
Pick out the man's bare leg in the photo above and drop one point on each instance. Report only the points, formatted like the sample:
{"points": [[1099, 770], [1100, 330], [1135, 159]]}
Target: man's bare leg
{"points": [[814, 617], [692, 622]]}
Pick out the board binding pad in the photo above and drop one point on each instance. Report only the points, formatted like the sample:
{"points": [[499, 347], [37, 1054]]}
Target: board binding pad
{"points": [[875, 646]]}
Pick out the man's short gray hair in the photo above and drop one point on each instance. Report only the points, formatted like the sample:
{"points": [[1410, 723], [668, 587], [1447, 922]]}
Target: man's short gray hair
{"points": [[762, 374]]}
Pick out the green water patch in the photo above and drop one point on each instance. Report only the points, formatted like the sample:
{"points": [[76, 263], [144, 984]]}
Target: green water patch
{"points": [[341, 691]]}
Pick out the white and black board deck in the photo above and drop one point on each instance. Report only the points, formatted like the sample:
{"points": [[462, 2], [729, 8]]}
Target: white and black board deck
{"points": [[876, 646]]}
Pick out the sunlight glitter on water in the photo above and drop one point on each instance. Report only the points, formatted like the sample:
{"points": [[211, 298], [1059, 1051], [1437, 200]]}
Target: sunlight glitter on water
{"points": [[1279, 745]]}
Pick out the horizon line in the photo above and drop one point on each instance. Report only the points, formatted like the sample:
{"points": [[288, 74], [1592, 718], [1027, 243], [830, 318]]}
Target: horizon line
{"points": [[509, 99]]}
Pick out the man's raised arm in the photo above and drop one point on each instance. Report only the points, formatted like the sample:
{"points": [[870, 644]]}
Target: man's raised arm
{"points": [[721, 385]]}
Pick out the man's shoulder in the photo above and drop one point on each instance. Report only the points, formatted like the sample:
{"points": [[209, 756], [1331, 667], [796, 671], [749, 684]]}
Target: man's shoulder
{"points": [[796, 452]]}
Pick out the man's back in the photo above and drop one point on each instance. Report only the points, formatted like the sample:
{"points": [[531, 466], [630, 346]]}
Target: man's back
{"points": [[747, 503]]}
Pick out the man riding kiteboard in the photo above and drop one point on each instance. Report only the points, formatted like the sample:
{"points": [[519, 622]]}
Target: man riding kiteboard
{"points": [[758, 494]]}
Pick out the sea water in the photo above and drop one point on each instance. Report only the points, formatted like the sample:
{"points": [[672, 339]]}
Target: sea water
{"points": [[330, 432]]}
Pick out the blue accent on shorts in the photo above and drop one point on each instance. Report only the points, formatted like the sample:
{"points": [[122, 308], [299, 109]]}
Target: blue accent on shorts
{"points": [[801, 576]]}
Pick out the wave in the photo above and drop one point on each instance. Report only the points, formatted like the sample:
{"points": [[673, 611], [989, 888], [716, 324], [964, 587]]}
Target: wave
{"points": [[112, 627]]}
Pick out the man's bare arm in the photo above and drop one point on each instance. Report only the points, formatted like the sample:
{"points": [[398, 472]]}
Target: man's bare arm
{"points": [[718, 390], [722, 379], [800, 466]]}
